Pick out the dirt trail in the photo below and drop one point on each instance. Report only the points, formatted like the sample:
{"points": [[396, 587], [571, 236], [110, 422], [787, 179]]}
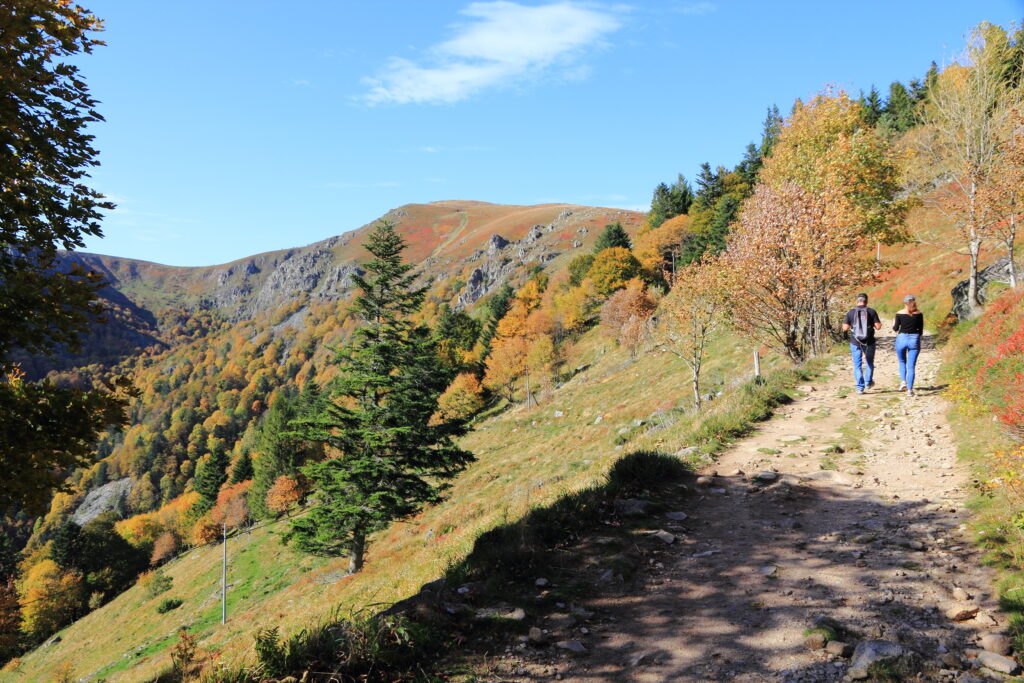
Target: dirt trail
{"points": [[871, 536]]}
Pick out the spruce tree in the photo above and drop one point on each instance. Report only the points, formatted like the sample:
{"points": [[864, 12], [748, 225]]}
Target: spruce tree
{"points": [[390, 458], [669, 202], [770, 130], [280, 450], [242, 471], [497, 306], [614, 235], [872, 106], [899, 110], [709, 187], [211, 473]]}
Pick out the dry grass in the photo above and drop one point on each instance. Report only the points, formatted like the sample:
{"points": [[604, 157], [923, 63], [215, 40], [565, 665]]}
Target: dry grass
{"points": [[526, 458]]}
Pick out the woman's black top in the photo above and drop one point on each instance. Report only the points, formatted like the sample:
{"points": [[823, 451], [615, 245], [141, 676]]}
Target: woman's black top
{"points": [[909, 323]]}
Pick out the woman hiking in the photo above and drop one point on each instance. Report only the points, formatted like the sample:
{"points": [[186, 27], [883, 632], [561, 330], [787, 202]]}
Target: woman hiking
{"points": [[909, 327]]}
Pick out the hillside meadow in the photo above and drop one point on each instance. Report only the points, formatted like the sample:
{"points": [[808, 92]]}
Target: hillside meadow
{"points": [[525, 458]]}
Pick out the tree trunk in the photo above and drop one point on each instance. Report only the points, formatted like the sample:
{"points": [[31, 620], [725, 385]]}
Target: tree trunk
{"points": [[972, 278], [696, 388], [355, 559], [1012, 237]]}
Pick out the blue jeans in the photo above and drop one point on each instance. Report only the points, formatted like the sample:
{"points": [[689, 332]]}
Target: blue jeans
{"points": [[908, 346], [867, 352]]}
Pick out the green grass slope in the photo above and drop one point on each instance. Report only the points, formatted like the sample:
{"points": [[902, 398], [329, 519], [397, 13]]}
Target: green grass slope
{"points": [[526, 458]]}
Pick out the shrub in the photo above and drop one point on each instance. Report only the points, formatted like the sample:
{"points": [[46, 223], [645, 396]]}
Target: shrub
{"points": [[167, 604]]}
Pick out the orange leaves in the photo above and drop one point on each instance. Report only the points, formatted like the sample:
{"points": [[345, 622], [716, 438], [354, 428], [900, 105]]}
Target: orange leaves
{"points": [[624, 315], [791, 253], [285, 493]]}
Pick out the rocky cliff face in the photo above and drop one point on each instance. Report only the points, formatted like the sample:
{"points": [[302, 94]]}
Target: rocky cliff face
{"points": [[483, 245]]}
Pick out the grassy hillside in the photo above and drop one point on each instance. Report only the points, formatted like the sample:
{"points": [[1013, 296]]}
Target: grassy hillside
{"points": [[526, 458]]}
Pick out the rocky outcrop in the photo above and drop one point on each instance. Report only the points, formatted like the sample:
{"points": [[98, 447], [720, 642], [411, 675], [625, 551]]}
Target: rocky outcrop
{"points": [[996, 274], [501, 258], [106, 498]]}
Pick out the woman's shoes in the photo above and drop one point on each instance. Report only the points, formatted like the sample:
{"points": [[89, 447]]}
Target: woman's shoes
{"points": [[910, 392], [903, 386]]}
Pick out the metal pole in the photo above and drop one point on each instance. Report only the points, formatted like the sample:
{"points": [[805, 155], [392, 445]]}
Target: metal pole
{"points": [[757, 364], [527, 387], [224, 579]]}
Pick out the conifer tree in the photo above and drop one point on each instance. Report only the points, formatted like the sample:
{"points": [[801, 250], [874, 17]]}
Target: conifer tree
{"points": [[614, 235], [770, 130], [242, 471], [211, 473], [709, 187], [899, 110], [669, 202], [872, 106], [497, 306], [280, 450], [390, 458]]}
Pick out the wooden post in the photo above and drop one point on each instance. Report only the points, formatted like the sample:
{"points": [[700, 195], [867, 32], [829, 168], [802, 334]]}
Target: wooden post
{"points": [[757, 364]]}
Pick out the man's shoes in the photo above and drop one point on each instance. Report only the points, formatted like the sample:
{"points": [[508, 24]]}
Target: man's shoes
{"points": [[860, 390], [871, 384]]}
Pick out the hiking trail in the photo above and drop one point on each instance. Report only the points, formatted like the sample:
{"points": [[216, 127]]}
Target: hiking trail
{"points": [[842, 506]]}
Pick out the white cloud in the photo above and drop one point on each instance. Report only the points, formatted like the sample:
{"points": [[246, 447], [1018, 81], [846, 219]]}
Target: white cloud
{"points": [[504, 42]]}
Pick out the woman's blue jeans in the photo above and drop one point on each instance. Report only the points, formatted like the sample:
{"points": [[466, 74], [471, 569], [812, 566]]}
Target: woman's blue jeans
{"points": [[908, 346]]}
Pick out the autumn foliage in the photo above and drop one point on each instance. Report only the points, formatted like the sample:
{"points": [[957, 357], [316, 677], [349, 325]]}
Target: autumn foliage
{"points": [[462, 399], [988, 363], [624, 316], [285, 493]]}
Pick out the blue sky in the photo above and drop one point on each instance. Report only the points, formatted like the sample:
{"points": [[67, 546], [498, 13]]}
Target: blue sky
{"points": [[234, 128]]}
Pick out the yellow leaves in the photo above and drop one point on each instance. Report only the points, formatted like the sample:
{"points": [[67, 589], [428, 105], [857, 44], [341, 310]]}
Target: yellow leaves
{"points": [[827, 146], [49, 597], [463, 397], [611, 270]]}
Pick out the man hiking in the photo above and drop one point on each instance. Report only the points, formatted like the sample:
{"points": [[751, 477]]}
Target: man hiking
{"points": [[861, 322]]}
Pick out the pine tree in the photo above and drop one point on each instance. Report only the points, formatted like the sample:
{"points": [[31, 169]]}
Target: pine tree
{"points": [[770, 130], [899, 110], [391, 459], [614, 235], [709, 187], [872, 106], [931, 78], [280, 450], [242, 471], [211, 473], [669, 202], [750, 164], [497, 306]]}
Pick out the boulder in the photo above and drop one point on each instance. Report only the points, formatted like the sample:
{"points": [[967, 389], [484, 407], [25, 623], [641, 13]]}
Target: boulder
{"points": [[998, 272], [1004, 665], [871, 655], [961, 611], [995, 642]]}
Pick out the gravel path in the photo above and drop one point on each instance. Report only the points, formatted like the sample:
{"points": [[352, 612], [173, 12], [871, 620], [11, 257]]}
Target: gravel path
{"points": [[841, 506]]}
